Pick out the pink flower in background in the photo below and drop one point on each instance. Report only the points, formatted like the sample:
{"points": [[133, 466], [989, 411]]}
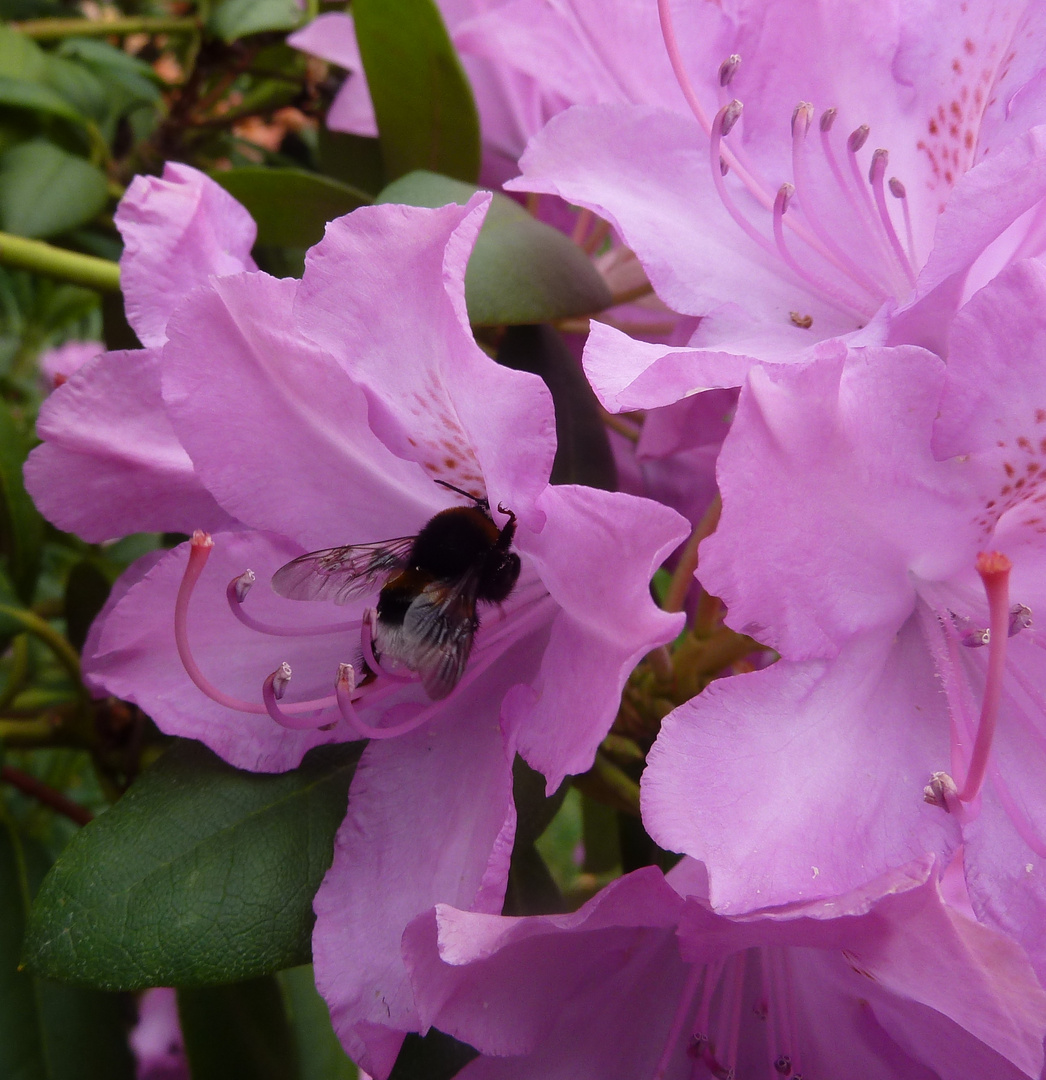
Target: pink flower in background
{"points": [[314, 414], [156, 1040], [882, 528], [59, 363], [512, 106], [780, 222], [646, 983]]}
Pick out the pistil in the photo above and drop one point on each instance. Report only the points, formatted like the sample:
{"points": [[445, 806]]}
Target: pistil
{"points": [[994, 570]]}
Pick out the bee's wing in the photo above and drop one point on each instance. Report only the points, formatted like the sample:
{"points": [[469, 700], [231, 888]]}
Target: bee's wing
{"points": [[441, 623], [342, 574]]}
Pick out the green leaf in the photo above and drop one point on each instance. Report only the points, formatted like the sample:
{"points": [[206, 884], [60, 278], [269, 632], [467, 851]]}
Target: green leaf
{"points": [[423, 103], [353, 159], [521, 270], [291, 206], [45, 191], [320, 1056], [21, 526], [583, 453], [49, 1031], [20, 57], [77, 85], [234, 19], [36, 97], [200, 874], [237, 1031]]}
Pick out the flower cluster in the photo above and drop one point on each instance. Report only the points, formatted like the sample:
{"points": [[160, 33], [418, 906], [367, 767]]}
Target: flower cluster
{"points": [[850, 203]]}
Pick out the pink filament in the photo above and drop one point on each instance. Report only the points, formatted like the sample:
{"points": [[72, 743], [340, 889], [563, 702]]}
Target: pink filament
{"points": [[994, 569], [236, 607], [199, 552], [683, 1009], [876, 176], [286, 719]]}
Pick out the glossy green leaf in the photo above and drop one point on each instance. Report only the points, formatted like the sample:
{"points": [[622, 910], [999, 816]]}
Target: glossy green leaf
{"points": [[291, 206], [49, 1031], [200, 874], [423, 103], [36, 97], [522, 270], [583, 454], [353, 159], [240, 1031], [45, 191], [320, 1056], [232, 19], [21, 526]]}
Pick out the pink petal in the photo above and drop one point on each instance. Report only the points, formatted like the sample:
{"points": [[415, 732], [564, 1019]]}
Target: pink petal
{"points": [[177, 232]]}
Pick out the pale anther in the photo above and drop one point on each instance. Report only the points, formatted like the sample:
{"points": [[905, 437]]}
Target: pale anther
{"points": [[241, 586], [728, 69], [347, 677], [897, 189], [880, 158], [1020, 618], [784, 195], [857, 138], [731, 114], [977, 638], [802, 114], [280, 678], [940, 791], [828, 118]]}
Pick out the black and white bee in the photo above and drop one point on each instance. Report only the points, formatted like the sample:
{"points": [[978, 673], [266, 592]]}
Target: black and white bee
{"points": [[430, 584]]}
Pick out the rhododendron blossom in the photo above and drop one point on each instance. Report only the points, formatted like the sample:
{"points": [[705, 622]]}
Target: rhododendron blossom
{"points": [[882, 528], [841, 169], [646, 983], [314, 414]]}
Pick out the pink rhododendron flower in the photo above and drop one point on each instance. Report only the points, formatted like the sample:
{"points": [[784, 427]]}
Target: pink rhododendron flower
{"points": [[311, 414], [781, 222], [646, 983], [882, 528], [512, 106]]}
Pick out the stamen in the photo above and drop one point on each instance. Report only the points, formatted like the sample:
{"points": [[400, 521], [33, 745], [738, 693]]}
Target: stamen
{"points": [[899, 191], [1020, 618], [994, 570], [876, 175], [834, 252], [675, 58], [236, 592], [199, 552], [828, 119], [857, 138], [728, 69], [724, 120], [784, 197], [275, 686], [977, 638]]}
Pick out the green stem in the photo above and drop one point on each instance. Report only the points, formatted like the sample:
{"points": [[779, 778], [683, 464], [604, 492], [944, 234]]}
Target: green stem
{"points": [[55, 29], [71, 266], [64, 653], [17, 672], [23, 733]]}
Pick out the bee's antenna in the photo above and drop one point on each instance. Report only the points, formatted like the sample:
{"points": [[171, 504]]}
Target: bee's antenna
{"points": [[468, 494]]}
